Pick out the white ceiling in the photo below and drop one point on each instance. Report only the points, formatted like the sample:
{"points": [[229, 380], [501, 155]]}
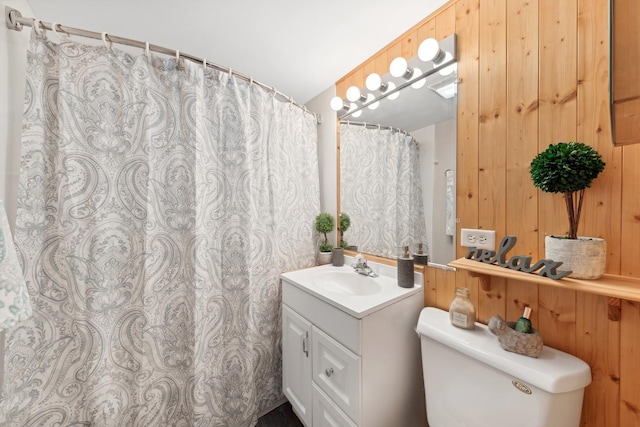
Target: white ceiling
{"points": [[300, 47]]}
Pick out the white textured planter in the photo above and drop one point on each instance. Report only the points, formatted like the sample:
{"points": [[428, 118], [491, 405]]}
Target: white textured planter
{"points": [[324, 258], [586, 257]]}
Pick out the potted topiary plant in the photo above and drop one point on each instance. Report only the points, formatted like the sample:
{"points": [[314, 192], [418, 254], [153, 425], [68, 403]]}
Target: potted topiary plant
{"points": [[345, 223], [569, 168], [324, 224]]}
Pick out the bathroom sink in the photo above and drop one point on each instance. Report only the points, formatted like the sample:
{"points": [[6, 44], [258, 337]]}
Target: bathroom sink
{"points": [[346, 282], [354, 293]]}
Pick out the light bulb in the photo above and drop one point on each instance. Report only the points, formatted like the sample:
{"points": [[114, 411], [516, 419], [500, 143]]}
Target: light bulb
{"points": [[449, 68], [372, 105], [418, 84], [353, 94], [373, 82], [357, 113], [337, 104], [429, 50], [398, 68], [395, 95]]}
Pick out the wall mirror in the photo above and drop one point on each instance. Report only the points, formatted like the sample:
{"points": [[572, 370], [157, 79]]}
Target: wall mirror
{"points": [[398, 157], [625, 67]]}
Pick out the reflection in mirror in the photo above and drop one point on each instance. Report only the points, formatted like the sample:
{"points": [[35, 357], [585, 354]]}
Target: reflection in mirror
{"points": [[397, 163]]}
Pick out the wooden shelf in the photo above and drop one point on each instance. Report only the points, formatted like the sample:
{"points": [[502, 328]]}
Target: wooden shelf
{"points": [[610, 285]]}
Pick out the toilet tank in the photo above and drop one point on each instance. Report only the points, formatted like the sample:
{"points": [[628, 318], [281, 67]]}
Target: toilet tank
{"points": [[471, 381]]}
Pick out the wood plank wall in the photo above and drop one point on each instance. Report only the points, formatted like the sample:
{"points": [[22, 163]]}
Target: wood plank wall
{"points": [[535, 72]]}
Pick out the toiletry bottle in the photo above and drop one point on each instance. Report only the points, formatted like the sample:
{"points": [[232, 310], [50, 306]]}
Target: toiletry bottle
{"points": [[462, 313], [405, 269], [524, 324], [421, 257]]}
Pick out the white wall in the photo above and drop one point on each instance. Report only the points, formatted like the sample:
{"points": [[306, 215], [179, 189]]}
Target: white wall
{"points": [[13, 50], [435, 159], [327, 153]]}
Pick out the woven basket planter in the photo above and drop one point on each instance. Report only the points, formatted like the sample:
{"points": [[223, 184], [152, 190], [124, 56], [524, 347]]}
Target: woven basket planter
{"points": [[586, 257]]}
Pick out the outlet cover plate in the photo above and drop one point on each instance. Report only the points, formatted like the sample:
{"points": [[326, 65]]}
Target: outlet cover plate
{"points": [[481, 239]]}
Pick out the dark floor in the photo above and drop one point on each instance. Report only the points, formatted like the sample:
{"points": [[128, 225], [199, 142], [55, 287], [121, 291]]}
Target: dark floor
{"points": [[282, 416]]}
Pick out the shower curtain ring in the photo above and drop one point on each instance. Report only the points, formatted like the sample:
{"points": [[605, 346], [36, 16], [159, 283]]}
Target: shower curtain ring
{"points": [[146, 48], [204, 64], [38, 27], [62, 35], [106, 42], [177, 57]]}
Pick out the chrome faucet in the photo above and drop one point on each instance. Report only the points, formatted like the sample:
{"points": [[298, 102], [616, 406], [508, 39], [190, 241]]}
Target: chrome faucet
{"points": [[361, 266]]}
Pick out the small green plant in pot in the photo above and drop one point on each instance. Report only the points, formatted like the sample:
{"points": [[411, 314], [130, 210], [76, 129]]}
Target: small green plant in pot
{"points": [[569, 168], [324, 224], [345, 223]]}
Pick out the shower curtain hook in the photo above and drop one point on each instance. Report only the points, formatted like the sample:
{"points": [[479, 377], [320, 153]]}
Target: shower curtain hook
{"points": [[230, 72], [37, 27], [104, 40], [146, 48], [55, 26], [204, 64], [177, 57]]}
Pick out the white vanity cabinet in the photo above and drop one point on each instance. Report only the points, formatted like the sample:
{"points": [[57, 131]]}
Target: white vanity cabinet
{"points": [[343, 370]]}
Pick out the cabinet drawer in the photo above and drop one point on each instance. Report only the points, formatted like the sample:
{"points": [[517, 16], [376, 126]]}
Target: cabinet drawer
{"points": [[326, 413], [336, 370]]}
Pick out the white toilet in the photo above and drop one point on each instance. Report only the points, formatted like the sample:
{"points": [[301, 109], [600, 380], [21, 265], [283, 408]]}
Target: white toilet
{"points": [[471, 381]]}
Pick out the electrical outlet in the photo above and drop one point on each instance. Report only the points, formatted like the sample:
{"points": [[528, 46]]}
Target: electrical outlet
{"points": [[485, 239]]}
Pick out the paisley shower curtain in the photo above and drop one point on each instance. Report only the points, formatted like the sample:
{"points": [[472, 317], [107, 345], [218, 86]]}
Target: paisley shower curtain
{"points": [[380, 189], [158, 204]]}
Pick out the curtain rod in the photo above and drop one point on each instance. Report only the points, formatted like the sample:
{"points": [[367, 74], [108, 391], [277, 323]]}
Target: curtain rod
{"points": [[374, 126], [15, 21]]}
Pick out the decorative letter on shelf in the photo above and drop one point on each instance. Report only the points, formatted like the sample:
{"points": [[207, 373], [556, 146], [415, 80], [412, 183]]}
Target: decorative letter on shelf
{"points": [[547, 267]]}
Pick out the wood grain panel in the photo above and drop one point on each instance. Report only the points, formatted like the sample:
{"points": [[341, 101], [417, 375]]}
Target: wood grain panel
{"points": [[492, 138], [626, 67], [627, 121], [446, 22], [381, 64], [630, 234], [557, 122], [410, 44], [427, 30], [522, 146], [520, 295], [467, 15], [602, 203], [522, 117], [629, 372], [557, 317], [598, 344], [430, 287]]}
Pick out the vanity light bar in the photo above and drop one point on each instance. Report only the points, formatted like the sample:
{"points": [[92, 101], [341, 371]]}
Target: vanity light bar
{"points": [[430, 50]]}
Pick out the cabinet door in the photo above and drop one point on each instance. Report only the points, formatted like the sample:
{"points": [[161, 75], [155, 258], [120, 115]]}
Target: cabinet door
{"points": [[326, 413], [296, 363]]}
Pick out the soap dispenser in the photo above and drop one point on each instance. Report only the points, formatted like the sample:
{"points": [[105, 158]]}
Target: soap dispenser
{"points": [[421, 257], [405, 269]]}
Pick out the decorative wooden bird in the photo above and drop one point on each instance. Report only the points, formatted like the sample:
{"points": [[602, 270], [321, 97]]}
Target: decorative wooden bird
{"points": [[512, 340]]}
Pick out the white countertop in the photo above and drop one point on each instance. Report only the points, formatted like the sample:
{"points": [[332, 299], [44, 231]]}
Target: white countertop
{"points": [[324, 282]]}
